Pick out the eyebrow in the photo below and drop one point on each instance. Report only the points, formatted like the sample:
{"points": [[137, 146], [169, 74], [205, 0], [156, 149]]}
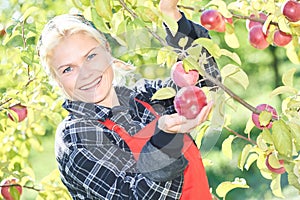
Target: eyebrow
{"points": [[85, 55]]}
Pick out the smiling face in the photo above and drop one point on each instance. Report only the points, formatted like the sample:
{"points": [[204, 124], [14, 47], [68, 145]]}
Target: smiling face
{"points": [[83, 69]]}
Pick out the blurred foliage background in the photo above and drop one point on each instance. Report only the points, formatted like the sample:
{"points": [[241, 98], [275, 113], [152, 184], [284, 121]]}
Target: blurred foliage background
{"points": [[27, 148]]}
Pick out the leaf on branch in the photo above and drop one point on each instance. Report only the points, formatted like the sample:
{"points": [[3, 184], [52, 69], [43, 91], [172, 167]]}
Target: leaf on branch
{"points": [[231, 40], [183, 41], [226, 146], [236, 74], [171, 23], [103, 8], [283, 90], [282, 138], [234, 56], [211, 47], [243, 156], [227, 186], [276, 187], [164, 93], [287, 77], [251, 159]]}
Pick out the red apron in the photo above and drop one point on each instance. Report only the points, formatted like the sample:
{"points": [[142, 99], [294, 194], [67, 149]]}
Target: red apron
{"points": [[195, 186]]}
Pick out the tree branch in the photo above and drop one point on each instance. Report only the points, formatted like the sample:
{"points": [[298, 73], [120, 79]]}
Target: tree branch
{"points": [[134, 15], [239, 135], [23, 186]]}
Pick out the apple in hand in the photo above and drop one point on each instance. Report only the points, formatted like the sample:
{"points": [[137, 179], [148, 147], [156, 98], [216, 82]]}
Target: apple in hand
{"points": [[250, 23], [274, 165], [257, 38], [20, 110], [281, 38], [5, 190], [213, 20], [255, 117], [291, 10], [189, 101], [182, 78]]}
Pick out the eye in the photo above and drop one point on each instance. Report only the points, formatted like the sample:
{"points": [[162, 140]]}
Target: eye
{"points": [[67, 69], [91, 56]]}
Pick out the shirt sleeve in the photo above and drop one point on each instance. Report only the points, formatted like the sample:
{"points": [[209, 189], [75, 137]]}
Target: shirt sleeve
{"points": [[94, 167]]}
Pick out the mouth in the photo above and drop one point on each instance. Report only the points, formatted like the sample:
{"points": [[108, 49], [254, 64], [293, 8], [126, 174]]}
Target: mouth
{"points": [[92, 84]]}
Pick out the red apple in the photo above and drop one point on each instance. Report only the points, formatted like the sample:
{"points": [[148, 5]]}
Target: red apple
{"points": [[282, 38], [263, 107], [250, 23], [182, 78], [291, 10], [212, 20], [2, 30], [257, 38], [5, 189], [189, 101], [20, 110], [278, 170]]}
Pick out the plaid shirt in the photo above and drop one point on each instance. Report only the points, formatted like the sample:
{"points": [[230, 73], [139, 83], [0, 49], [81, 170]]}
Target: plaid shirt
{"points": [[95, 163]]}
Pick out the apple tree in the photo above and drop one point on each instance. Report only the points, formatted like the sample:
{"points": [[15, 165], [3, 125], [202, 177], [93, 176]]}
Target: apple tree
{"points": [[30, 102]]}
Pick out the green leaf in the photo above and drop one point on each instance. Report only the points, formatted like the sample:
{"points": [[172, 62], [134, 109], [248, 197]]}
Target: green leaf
{"points": [[282, 138], [183, 41], [244, 155], [249, 126], [99, 21], [276, 187], [264, 118], [251, 159], [171, 23], [211, 47], [227, 186], [261, 143], [226, 146], [190, 63], [295, 133], [287, 77], [164, 93], [266, 136], [28, 12], [283, 90], [283, 24], [236, 74], [103, 8], [231, 40], [231, 55], [291, 53]]}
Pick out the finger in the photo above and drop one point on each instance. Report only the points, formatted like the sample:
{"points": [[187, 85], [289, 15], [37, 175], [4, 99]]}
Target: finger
{"points": [[203, 115]]}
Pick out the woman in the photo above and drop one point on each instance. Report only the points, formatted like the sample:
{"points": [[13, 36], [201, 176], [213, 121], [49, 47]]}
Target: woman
{"points": [[116, 143]]}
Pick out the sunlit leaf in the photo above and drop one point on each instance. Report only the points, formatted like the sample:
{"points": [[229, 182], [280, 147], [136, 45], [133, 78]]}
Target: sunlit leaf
{"points": [[276, 187], [283, 90], [288, 76], [282, 138], [183, 41], [164, 93], [226, 146], [103, 8], [236, 74], [227, 186], [264, 118], [251, 159], [171, 23], [211, 47], [231, 40], [243, 156], [234, 56]]}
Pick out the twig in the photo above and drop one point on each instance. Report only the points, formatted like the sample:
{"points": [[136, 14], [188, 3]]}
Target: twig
{"points": [[240, 136], [23, 186], [134, 15]]}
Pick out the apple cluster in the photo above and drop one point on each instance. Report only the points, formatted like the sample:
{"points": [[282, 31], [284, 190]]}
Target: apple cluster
{"points": [[213, 20], [190, 99], [267, 108], [5, 188], [258, 37]]}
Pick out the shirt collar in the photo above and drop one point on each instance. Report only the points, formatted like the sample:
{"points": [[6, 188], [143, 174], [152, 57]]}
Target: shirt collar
{"points": [[94, 111]]}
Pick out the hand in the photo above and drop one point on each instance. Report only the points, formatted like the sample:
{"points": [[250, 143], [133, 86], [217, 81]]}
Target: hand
{"points": [[176, 123], [169, 8]]}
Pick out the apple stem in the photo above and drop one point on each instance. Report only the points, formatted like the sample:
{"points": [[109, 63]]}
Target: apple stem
{"points": [[135, 16], [25, 186], [239, 135]]}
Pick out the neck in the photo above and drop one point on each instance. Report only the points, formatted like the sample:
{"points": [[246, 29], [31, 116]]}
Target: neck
{"points": [[111, 100]]}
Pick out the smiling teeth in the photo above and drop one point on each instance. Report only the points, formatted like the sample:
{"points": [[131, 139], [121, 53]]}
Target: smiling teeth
{"points": [[91, 85]]}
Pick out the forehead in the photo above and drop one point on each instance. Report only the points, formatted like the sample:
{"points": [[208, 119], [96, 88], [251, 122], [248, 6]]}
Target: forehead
{"points": [[71, 48]]}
